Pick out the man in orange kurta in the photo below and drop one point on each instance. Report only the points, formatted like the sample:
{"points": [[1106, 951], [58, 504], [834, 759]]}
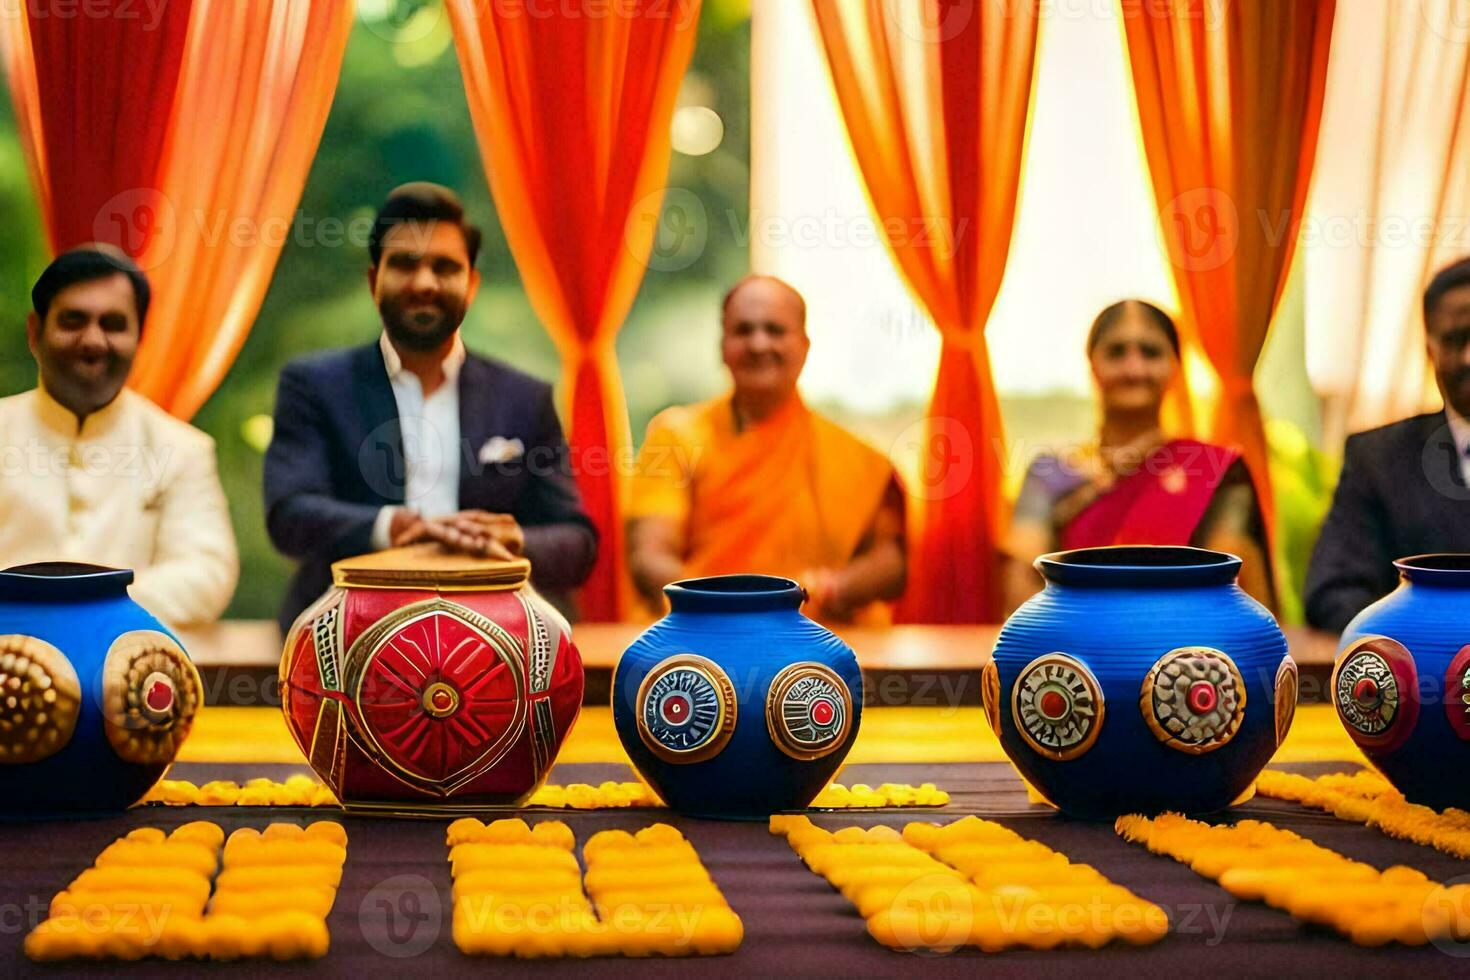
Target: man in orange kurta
{"points": [[754, 481]]}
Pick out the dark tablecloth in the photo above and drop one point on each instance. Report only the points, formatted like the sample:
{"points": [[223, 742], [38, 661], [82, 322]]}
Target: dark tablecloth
{"points": [[391, 917]]}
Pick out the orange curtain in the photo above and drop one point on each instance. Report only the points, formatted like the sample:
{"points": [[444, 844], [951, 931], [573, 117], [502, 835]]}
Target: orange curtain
{"points": [[185, 143], [935, 95], [572, 116], [253, 99], [1229, 97], [93, 94]]}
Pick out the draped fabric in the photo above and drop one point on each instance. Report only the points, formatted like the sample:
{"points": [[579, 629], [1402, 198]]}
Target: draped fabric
{"points": [[185, 142], [236, 161], [1390, 203], [1229, 97], [94, 113], [20, 78], [1162, 502], [572, 115], [935, 96]]}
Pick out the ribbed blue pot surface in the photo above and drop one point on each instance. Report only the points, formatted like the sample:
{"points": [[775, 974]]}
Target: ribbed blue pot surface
{"points": [[751, 629], [1118, 611]]}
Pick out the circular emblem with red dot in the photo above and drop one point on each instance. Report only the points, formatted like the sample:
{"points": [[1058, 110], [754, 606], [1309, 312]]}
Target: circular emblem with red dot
{"points": [[440, 699], [150, 691], [1057, 706], [441, 693], [1375, 686], [1193, 699], [686, 709], [158, 695], [1457, 693], [808, 711]]}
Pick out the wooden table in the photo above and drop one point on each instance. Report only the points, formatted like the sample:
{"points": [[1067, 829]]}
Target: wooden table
{"points": [[903, 665]]}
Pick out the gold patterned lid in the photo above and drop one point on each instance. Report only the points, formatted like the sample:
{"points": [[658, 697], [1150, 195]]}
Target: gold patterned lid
{"points": [[429, 566]]}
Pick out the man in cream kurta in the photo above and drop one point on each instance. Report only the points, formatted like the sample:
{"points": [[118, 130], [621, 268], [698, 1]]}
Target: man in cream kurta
{"points": [[92, 472]]}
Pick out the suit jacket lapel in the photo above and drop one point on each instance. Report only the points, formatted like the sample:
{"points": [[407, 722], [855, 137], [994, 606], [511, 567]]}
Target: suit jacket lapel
{"points": [[381, 450], [479, 419], [1440, 442]]}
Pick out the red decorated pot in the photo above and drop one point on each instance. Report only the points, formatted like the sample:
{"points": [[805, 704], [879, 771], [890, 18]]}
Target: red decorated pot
{"points": [[424, 680]]}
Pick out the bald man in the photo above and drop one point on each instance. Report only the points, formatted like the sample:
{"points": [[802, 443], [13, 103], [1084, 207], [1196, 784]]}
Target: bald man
{"points": [[754, 481]]}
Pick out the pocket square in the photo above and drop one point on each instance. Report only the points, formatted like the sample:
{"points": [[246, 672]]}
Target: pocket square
{"points": [[499, 449]]}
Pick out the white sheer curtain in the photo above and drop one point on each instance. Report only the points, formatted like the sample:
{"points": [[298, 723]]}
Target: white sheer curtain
{"points": [[1390, 203], [1085, 235]]}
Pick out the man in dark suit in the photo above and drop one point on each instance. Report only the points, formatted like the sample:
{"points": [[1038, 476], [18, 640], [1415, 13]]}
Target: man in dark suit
{"points": [[1405, 487], [411, 438]]}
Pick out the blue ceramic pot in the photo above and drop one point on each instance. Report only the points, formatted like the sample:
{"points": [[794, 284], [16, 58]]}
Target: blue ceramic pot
{"points": [[1141, 679], [103, 692], [1402, 680], [735, 705]]}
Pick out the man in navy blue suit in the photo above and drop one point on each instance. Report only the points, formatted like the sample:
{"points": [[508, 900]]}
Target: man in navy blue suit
{"points": [[412, 438], [1405, 487]]}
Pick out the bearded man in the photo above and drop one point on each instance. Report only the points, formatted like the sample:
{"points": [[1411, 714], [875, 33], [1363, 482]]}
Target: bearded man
{"points": [[413, 438]]}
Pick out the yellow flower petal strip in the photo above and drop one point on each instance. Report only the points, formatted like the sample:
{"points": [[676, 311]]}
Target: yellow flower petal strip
{"points": [[970, 883], [1367, 798], [518, 891], [1256, 861], [152, 894]]}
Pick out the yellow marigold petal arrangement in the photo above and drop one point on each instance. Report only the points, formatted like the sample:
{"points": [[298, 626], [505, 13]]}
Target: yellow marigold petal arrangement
{"points": [[1257, 861], [297, 790], [655, 895], [970, 883], [151, 894], [518, 891], [886, 795], [1367, 798], [301, 790]]}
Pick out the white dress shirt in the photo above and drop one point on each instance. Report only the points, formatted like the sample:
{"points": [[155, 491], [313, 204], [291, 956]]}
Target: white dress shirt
{"points": [[1460, 432], [130, 487], [431, 442]]}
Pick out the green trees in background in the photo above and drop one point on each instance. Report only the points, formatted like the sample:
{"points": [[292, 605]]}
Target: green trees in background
{"points": [[400, 115]]}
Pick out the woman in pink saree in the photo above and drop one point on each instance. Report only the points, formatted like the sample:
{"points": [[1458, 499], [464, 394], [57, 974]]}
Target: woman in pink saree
{"points": [[1133, 485]]}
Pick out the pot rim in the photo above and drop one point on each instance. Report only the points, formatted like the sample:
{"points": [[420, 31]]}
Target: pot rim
{"points": [[734, 593], [1436, 568], [63, 581], [1139, 566]]}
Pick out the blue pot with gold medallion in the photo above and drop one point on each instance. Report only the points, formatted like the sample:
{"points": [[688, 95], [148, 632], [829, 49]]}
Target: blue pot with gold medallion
{"points": [[1140, 679], [1401, 682], [735, 705], [97, 694]]}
